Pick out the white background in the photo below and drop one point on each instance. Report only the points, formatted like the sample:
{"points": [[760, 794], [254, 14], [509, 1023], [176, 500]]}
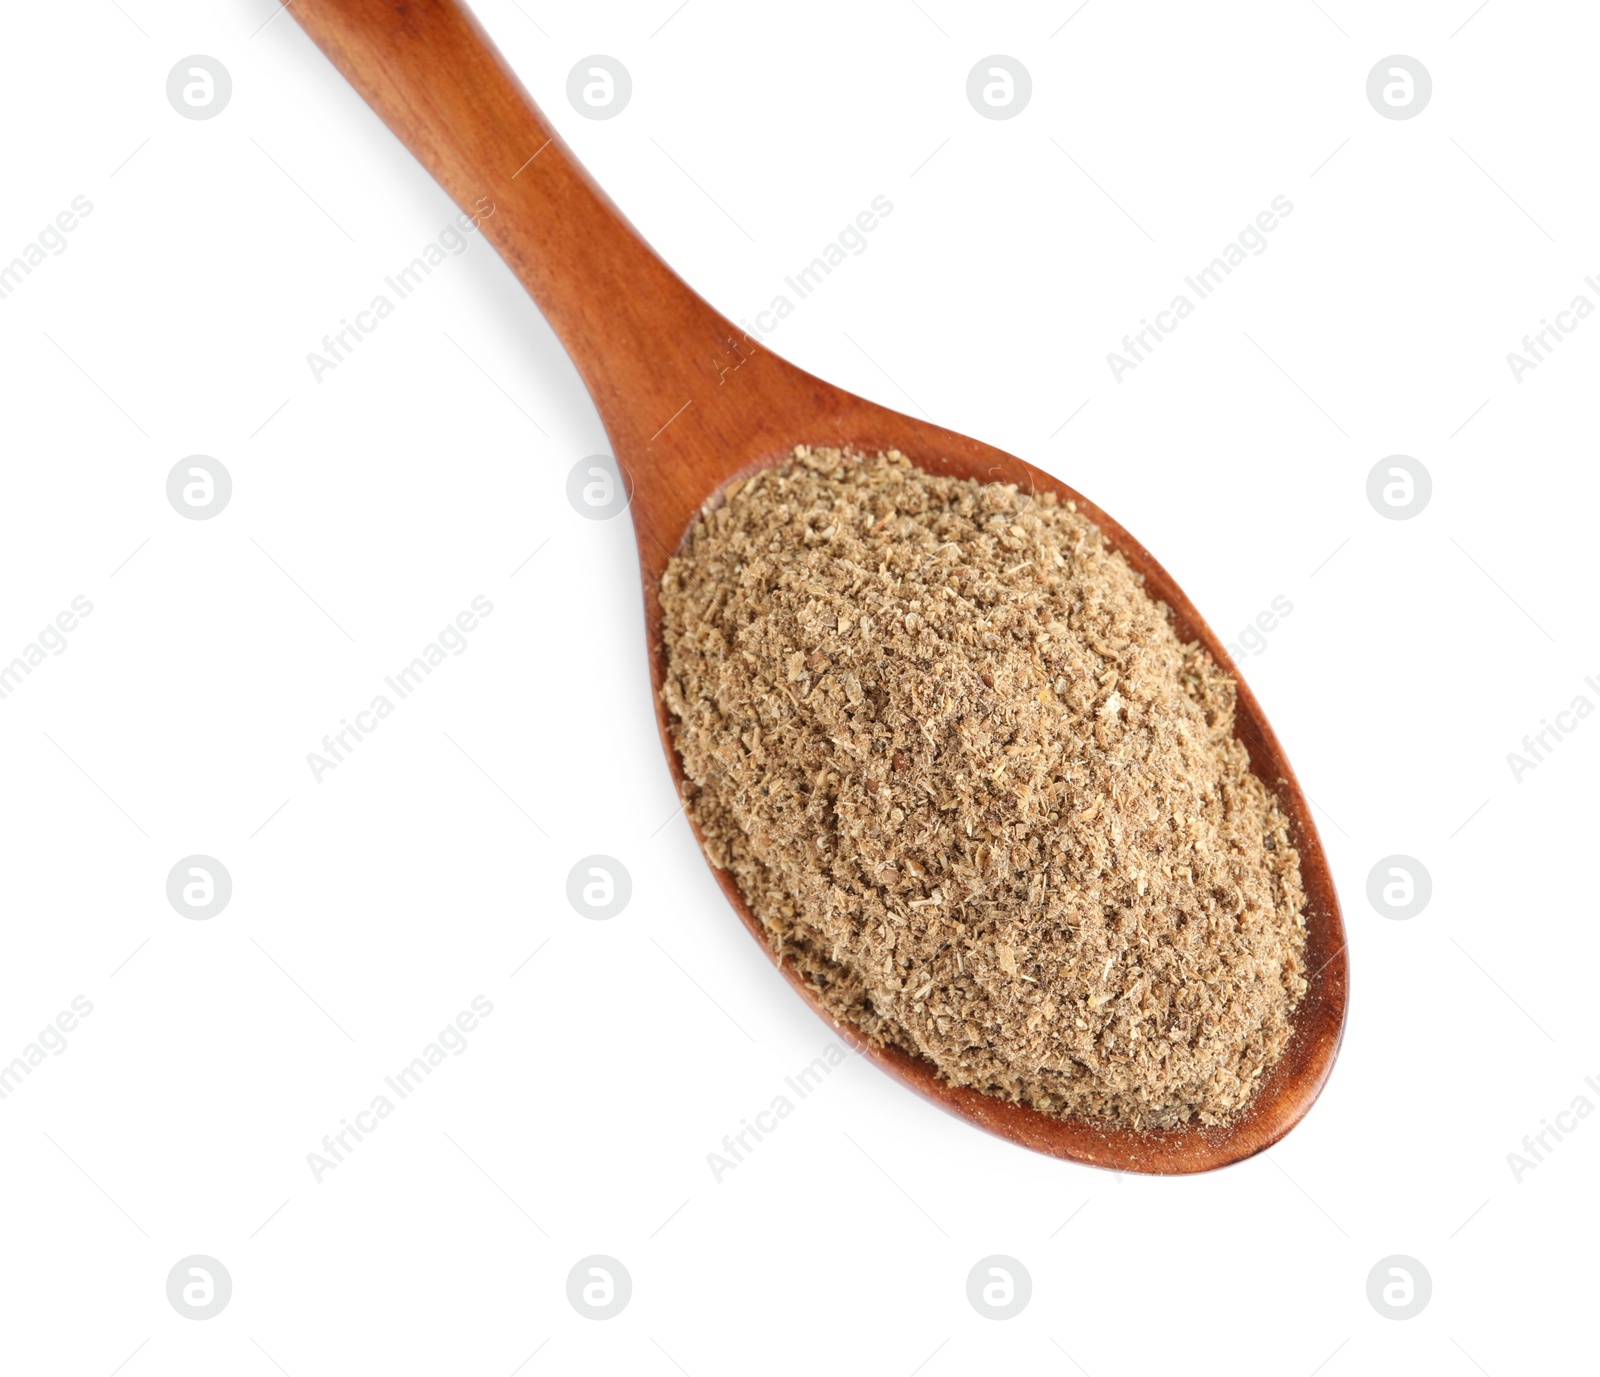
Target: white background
{"points": [[372, 506]]}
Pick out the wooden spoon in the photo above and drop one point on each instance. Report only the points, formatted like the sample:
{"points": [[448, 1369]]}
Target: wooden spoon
{"points": [[690, 402]]}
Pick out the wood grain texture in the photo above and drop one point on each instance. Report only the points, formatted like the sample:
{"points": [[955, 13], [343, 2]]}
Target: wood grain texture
{"points": [[690, 402]]}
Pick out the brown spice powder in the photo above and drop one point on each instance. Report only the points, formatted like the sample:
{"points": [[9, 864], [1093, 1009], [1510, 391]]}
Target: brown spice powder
{"points": [[979, 794]]}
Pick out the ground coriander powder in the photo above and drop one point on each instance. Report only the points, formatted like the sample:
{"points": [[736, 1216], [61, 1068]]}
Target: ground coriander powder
{"points": [[977, 791]]}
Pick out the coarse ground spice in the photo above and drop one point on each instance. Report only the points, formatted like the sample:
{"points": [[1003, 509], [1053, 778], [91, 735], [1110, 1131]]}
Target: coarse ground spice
{"points": [[977, 791]]}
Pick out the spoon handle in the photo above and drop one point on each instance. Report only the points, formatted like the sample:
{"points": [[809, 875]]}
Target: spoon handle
{"points": [[627, 320]]}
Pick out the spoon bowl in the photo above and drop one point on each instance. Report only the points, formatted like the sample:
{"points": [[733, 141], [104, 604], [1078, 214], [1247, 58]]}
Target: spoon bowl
{"points": [[691, 403]]}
